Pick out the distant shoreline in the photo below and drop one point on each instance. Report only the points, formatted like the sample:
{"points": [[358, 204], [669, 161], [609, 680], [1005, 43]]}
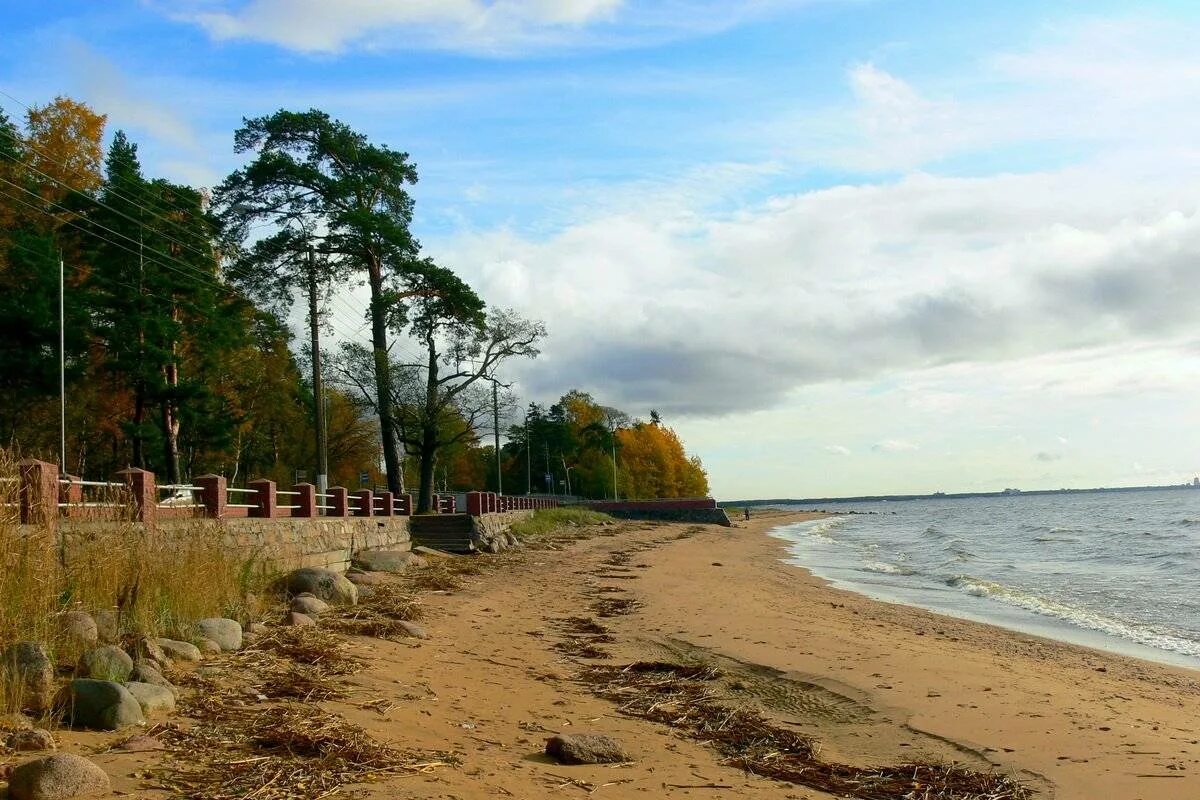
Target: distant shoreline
{"points": [[955, 495]]}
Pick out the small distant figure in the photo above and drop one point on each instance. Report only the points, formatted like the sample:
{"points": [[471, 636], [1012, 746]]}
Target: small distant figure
{"points": [[746, 511]]}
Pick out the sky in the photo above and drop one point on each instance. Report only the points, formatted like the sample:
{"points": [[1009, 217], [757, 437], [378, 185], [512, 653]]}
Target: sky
{"points": [[842, 246]]}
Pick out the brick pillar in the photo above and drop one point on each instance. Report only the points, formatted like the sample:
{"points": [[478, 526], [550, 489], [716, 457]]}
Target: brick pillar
{"points": [[39, 492], [338, 502], [264, 498], [387, 506], [366, 501], [70, 493], [141, 487], [212, 495], [404, 505], [307, 501], [474, 504]]}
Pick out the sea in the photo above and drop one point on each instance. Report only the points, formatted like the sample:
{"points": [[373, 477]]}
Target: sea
{"points": [[1118, 571]]}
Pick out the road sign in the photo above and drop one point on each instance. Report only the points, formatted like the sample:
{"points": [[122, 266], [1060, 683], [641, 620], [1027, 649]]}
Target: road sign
{"points": [[364, 480]]}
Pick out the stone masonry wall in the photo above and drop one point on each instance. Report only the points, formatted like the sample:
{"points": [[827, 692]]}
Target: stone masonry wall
{"points": [[285, 544], [488, 525]]}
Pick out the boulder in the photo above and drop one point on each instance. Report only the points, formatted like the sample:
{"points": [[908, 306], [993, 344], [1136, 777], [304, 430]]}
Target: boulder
{"points": [[78, 629], [412, 629], [227, 633], [307, 604], [101, 705], [387, 560], [141, 744], [108, 626], [257, 629], [57, 777], [293, 619], [174, 650], [208, 647], [496, 545], [107, 663], [28, 669], [512, 540], [586, 748], [146, 671], [361, 579], [153, 699], [29, 741], [148, 648], [325, 584]]}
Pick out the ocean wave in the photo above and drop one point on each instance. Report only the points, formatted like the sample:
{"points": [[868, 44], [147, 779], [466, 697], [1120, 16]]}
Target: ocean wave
{"points": [[820, 528], [1187, 523], [1080, 617], [884, 568]]}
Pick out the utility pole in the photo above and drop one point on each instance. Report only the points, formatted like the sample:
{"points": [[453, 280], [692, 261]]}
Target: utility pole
{"points": [[614, 457], [567, 470], [62, 365], [496, 426], [318, 391]]}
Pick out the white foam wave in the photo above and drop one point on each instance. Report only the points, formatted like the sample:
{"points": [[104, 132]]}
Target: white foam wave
{"points": [[1074, 615], [821, 527], [884, 568]]}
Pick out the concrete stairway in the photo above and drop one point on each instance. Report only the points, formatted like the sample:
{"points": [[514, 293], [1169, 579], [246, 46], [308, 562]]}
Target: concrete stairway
{"points": [[449, 532]]}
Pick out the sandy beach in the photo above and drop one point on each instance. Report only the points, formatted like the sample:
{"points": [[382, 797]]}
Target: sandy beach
{"points": [[874, 683]]}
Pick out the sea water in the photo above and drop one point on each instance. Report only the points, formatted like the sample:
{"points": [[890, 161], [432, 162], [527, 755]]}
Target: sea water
{"points": [[1118, 571]]}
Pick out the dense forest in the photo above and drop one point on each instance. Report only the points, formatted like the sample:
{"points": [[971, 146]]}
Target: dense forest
{"points": [[177, 309]]}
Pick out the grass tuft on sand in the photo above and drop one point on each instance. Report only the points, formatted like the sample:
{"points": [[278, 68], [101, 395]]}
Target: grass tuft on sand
{"points": [[549, 520]]}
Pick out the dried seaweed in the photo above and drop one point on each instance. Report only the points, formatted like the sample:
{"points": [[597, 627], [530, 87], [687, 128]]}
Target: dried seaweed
{"points": [[685, 698]]}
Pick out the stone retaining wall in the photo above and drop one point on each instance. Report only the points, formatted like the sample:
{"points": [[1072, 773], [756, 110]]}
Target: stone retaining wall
{"points": [[286, 544], [488, 526]]}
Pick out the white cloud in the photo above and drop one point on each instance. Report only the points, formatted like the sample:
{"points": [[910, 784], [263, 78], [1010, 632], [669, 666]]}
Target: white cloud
{"points": [[490, 26], [836, 450], [894, 446]]}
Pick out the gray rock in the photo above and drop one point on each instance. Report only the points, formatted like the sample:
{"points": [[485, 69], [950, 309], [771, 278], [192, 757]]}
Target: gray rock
{"points": [[387, 560], [108, 626], [586, 748], [227, 633], [29, 741], [148, 648], [174, 650], [323, 583], [496, 545], [57, 777], [512, 540], [141, 744], [146, 671], [28, 669], [293, 619], [208, 647], [78, 629], [361, 579], [107, 663], [153, 699], [307, 604], [412, 629], [101, 705]]}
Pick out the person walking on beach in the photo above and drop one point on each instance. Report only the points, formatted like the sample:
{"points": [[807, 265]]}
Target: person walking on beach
{"points": [[746, 511]]}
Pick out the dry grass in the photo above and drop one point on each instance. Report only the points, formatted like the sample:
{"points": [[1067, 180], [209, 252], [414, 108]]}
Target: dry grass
{"points": [[157, 579], [324, 651], [686, 698]]}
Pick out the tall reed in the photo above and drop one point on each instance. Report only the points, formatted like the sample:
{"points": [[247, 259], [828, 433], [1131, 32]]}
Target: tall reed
{"points": [[157, 579]]}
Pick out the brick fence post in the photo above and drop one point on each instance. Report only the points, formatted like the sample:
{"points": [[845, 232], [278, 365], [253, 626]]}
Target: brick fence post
{"points": [[474, 503], [366, 501], [307, 501], [404, 505], [70, 493], [338, 502], [141, 487], [213, 495], [264, 495], [38, 491], [387, 507]]}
